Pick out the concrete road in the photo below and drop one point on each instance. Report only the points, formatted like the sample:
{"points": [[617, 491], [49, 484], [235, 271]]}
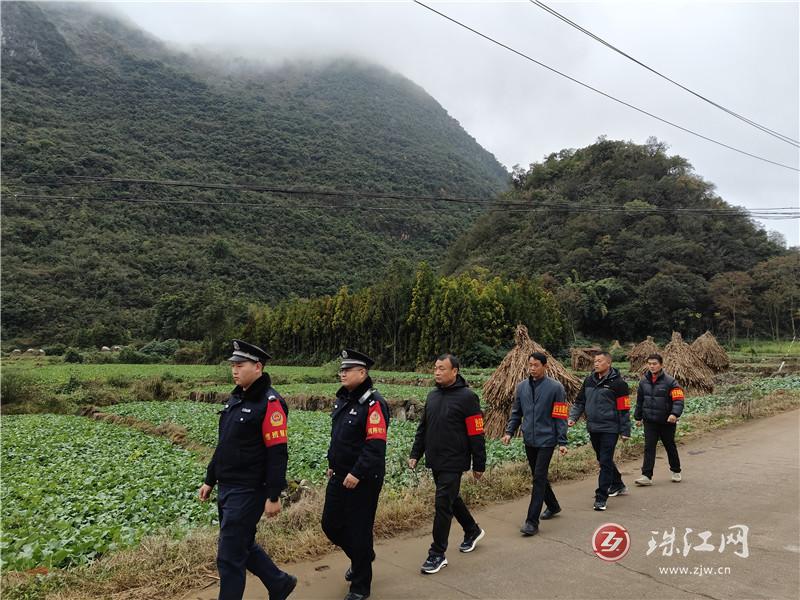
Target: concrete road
{"points": [[746, 475]]}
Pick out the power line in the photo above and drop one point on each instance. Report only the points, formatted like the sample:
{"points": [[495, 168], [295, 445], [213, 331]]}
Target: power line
{"points": [[509, 207], [767, 130], [602, 93], [68, 180]]}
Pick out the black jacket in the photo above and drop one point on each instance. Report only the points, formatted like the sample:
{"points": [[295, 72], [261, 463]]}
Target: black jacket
{"points": [[450, 431], [359, 424], [657, 400], [606, 402], [244, 456]]}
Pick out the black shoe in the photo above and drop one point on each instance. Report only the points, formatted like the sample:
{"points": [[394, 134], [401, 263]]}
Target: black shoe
{"points": [[354, 596], [618, 490], [348, 575], [286, 590], [529, 529], [599, 504], [434, 564], [549, 514], [471, 540]]}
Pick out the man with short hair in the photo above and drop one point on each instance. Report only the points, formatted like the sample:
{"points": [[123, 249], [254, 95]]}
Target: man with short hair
{"points": [[540, 406], [659, 404], [605, 398], [356, 468], [450, 435], [249, 464]]}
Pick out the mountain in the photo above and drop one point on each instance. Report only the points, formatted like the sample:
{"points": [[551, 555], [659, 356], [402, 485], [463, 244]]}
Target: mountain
{"points": [[87, 94], [629, 235]]}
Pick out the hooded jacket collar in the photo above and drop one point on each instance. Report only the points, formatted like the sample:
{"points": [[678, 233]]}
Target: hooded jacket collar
{"points": [[256, 390]]}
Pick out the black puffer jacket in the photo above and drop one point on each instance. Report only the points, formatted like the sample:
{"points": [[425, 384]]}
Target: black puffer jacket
{"points": [[606, 401], [450, 431], [657, 400]]}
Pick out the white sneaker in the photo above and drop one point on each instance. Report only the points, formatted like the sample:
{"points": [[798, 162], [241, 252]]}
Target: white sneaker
{"points": [[645, 480], [676, 477]]}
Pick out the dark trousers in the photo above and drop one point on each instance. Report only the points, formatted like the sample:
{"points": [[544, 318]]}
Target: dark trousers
{"points": [[541, 492], [347, 519], [604, 445], [666, 433], [448, 504], [240, 509]]}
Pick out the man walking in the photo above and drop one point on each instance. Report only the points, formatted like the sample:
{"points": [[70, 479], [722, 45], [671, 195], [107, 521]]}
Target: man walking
{"points": [[540, 406], [659, 404], [356, 468], [450, 435], [249, 464], [605, 398]]}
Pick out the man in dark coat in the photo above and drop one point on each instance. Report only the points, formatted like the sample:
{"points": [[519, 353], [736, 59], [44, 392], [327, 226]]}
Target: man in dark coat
{"points": [[605, 398], [659, 405], [356, 468], [249, 466], [450, 435]]}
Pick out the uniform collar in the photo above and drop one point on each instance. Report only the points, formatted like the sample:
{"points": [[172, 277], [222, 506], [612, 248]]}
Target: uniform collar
{"points": [[255, 391]]}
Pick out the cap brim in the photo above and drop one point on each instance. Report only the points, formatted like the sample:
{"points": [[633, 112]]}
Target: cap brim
{"points": [[239, 359]]}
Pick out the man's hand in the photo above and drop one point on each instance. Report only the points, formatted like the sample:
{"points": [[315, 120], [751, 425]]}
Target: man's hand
{"points": [[570, 423], [506, 439], [672, 419], [350, 481], [638, 423], [625, 438], [562, 450], [412, 463], [205, 492], [272, 508], [328, 473], [477, 475]]}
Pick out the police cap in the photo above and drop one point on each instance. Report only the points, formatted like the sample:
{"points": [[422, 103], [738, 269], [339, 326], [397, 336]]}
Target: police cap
{"points": [[242, 352], [353, 358]]}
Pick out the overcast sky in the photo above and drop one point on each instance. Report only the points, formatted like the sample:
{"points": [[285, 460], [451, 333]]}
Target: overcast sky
{"points": [[743, 55]]}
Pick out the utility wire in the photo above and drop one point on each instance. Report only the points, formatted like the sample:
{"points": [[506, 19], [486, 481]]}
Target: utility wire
{"points": [[765, 129], [602, 93]]}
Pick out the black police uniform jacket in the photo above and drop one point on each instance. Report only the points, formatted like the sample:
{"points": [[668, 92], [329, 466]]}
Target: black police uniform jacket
{"points": [[359, 423], [658, 399], [606, 401], [252, 448], [450, 430]]}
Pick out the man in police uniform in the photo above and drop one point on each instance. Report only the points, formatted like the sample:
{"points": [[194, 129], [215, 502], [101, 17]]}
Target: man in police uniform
{"points": [[356, 467], [249, 464]]}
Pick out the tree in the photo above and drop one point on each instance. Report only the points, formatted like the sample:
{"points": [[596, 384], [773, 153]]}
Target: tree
{"points": [[732, 294]]}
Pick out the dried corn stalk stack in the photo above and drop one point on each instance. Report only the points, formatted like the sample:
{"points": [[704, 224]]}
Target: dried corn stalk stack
{"points": [[498, 391], [581, 360], [683, 364], [638, 356], [710, 352]]}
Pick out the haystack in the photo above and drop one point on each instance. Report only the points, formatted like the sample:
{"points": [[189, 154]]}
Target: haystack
{"points": [[710, 352], [581, 360], [498, 391], [638, 356], [683, 364]]}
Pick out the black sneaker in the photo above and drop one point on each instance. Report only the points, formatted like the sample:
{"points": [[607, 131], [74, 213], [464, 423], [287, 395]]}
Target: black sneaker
{"points": [[599, 504], [471, 540], [286, 590], [549, 514], [434, 564], [618, 490], [529, 529], [356, 596]]}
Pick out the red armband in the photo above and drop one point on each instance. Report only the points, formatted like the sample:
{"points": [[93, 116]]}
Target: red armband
{"points": [[623, 403], [560, 410], [474, 424], [676, 394], [274, 426], [376, 424]]}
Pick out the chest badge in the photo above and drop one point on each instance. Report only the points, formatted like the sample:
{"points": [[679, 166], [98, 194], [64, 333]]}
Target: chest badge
{"points": [[246, 410], [353, 411]]}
